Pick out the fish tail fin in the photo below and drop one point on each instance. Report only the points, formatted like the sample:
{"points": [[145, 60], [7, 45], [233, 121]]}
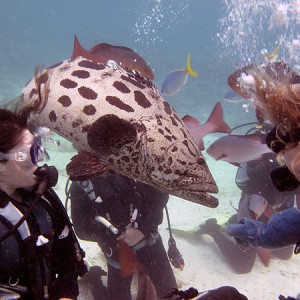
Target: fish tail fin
{"points": [[188, 68], [78, 50], [217, 121]]}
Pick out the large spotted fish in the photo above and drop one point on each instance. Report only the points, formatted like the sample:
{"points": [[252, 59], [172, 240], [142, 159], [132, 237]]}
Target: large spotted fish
{"points": [[117, 120]]}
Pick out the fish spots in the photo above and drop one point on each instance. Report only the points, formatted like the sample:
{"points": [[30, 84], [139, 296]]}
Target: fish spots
{"points": [[167, 108], [117, 102], [81, 74], [168, 130], [141, 99], [136, 83], [183, 132], [168, 171], [174, 149], [87, 93], [186, 143], [91, 65], [68, 84], [125, 158], [77, 123], [182, 162], [173, 121], [89, 110], [161, 131], [65, 101], [158, 120], [85, 129], [120, 86], [52, 116]]}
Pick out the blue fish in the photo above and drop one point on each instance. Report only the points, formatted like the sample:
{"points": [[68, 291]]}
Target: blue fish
{"points": [[176, 79]]}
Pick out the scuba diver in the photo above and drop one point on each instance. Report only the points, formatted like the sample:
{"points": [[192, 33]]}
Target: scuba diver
{"points": [[40, 257], [259, 201], [283, 228], [122, 215]]}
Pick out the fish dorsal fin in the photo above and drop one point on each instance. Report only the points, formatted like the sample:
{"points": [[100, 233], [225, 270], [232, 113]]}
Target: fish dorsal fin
{"points": [[254, 137], [109, 134], [123, 56], [85, 165], [78, 50], [106, 47], [188, 68]]}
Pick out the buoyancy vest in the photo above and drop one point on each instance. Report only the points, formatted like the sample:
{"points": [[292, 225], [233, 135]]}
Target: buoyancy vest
{"points": [[24, 252]]}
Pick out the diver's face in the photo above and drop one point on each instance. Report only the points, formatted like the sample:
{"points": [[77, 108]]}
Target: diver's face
{"points": [[292, 160], [19, 174]]}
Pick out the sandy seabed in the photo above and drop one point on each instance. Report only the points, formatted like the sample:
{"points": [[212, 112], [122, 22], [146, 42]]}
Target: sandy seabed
{"points": [[205, 267]]}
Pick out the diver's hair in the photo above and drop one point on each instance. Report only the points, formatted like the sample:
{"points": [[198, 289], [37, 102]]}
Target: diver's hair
{"points": [[40, 92], [12, 126]]}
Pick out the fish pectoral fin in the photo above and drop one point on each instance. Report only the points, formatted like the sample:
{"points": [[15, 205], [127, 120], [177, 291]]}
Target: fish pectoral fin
{"points": [[85, 165], [109, 134]]}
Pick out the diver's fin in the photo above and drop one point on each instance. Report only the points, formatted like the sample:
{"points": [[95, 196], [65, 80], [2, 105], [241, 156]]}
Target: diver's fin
{"points": [[109, 134], [85, 165]]}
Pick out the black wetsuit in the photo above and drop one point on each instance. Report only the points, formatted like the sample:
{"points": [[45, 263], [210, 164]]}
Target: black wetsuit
{"points": [[120, 196], [40, 256]]}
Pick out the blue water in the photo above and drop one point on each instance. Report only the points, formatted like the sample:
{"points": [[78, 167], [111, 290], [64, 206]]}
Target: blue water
{"points": [[220, 35]]}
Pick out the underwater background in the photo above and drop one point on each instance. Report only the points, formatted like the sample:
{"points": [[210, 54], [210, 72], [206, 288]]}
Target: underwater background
{"points": [[220, 36]]}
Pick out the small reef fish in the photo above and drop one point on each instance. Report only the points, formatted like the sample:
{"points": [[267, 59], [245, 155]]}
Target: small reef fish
{"points": [[123, 56], [118, 120], [236, 149], [176, 79], [273, 88], [271, 56], [233, 97], [215, 123]]}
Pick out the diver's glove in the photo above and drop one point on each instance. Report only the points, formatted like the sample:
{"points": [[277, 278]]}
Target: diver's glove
{"points": [[282, 229], [247, 232]]}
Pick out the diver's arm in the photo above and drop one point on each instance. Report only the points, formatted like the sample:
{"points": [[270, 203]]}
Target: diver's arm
{"points": [[282, 229]]}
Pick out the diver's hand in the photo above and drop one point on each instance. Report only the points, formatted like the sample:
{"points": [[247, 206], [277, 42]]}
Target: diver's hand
{"points": [[247, 232], [131, 236]]}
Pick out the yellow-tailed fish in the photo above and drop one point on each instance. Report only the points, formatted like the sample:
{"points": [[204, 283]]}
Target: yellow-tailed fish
{"points": [[176, 79], [273, 55]]}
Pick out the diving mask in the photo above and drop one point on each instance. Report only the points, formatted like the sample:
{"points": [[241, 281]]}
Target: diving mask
{"points": [[36, 153]]}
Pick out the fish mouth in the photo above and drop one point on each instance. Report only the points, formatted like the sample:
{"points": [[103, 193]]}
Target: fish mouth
{"points": [[197, 189], [198, 184]]}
